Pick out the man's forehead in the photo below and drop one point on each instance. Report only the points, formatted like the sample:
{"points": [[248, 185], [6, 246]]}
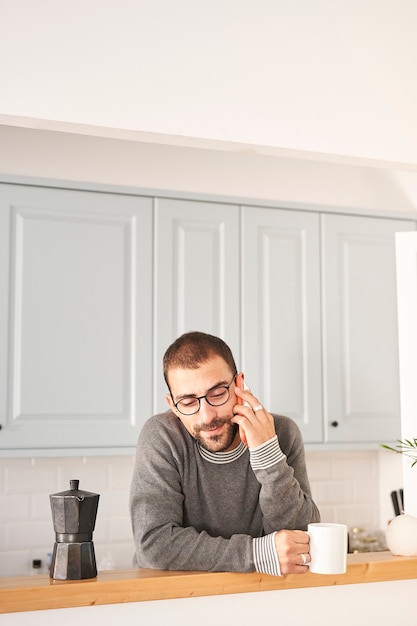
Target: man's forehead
{"points": [[199, 379]]}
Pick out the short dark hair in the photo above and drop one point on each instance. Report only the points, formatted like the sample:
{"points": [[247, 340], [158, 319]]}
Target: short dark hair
{"points": [[193, 348]]}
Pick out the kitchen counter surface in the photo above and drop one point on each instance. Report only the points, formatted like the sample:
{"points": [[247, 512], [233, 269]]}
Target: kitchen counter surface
{"points": [[31, 593]]}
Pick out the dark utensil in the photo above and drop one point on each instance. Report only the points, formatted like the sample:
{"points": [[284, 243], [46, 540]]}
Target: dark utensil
{"points": [[397, 498]]}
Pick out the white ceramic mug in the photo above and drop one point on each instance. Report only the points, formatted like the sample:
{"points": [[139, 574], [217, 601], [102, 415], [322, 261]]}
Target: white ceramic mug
{"points": [[328, 548]]}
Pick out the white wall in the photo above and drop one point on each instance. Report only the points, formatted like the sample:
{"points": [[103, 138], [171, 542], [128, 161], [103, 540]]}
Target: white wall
{"points": [[323, 76], [288, 181]]}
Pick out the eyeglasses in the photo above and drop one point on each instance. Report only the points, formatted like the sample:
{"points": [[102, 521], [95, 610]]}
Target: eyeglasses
{"points": [[214, 397]]}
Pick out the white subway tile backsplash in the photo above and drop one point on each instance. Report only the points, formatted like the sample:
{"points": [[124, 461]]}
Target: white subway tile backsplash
{"points": [[92, 476], [123, 554], [2, 544], [28, 534], [333, 492], [319, 466], [15, 507], [120, 529], [120, 473], [101, 531], [360, 515], [40, 507], [355, 465], [30, 478], [345, 486], [365, 490], [327, 513], [114, 503], [15, 563], [114, 556]]}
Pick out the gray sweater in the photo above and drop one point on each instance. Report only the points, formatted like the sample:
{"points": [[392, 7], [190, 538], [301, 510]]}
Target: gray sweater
{"points": [[195, 510]]}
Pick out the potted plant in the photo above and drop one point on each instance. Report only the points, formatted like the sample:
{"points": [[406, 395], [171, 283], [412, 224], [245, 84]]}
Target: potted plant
{"points": [[401, 534]]}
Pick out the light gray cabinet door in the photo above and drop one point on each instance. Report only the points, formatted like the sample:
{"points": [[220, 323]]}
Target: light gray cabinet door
{"points": [[281, 335], [76, 298], [360, 354], [197, 276]]}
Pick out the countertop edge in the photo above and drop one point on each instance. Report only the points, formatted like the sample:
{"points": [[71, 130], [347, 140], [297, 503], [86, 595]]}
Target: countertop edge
{"points": [[33, 593]]}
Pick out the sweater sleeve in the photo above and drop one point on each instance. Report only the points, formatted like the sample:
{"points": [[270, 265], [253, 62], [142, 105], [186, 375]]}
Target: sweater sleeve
{"points": [[280, 467], [156, 507]]}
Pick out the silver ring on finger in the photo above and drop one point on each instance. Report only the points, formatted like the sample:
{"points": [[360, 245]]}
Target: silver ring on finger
{"points": [[304, 559], [258, 407]]}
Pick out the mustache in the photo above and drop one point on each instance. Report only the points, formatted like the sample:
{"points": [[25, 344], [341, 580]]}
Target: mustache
{"points": [[215, 423]]}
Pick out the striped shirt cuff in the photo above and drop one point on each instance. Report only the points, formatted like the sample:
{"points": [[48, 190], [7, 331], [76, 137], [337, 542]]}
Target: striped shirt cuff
{"points": [[266, 455], [265, 555]]}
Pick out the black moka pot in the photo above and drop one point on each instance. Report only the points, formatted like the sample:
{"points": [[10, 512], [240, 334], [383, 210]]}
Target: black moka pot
{"points": [[74, 516]]}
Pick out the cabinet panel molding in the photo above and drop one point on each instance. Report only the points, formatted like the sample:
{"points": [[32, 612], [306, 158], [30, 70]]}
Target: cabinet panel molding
{"points": [[197, 276], [78, 263], [360, 356], [281, 314]]}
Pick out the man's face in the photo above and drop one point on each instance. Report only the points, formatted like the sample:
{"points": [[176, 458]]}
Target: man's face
{"points": [[211, 426]]}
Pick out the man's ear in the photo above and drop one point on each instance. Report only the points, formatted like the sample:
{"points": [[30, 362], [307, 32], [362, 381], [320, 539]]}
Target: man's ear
{"points": [[170, 402]]}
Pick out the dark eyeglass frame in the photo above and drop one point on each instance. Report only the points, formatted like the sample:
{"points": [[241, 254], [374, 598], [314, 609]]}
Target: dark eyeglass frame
{"points": [[199, 398]]}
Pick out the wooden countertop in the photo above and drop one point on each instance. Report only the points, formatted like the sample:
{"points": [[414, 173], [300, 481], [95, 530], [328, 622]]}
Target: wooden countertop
{"points": [[31, 593]]}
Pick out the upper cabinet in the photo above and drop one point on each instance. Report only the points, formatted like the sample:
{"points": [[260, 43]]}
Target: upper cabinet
{"points": [[76, 301], [94, 286], [197, 276], [281, 323], [360, 334], [319, 321]]}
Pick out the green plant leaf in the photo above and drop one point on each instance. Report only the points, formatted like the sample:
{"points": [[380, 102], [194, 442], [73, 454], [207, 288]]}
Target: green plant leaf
{"points": [[406, 447]]}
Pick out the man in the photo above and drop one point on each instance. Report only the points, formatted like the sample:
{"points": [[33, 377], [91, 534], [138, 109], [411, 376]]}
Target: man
{"points": [[219, 483]]}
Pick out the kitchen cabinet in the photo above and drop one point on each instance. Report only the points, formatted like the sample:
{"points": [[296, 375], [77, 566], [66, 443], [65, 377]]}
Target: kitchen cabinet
{"points": [[197, 276], [75, 314], [281, 323], [360, 332], [319, 322], [95, 285]]}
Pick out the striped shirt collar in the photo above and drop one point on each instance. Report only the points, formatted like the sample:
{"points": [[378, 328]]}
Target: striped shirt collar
{"points": [[220, 458]]}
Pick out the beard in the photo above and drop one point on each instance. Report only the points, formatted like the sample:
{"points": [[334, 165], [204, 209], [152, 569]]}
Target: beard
{"points": [[220, 442]]}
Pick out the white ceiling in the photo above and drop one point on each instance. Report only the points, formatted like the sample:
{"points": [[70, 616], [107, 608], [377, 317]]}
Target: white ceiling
{"points": [[333, 77]]}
